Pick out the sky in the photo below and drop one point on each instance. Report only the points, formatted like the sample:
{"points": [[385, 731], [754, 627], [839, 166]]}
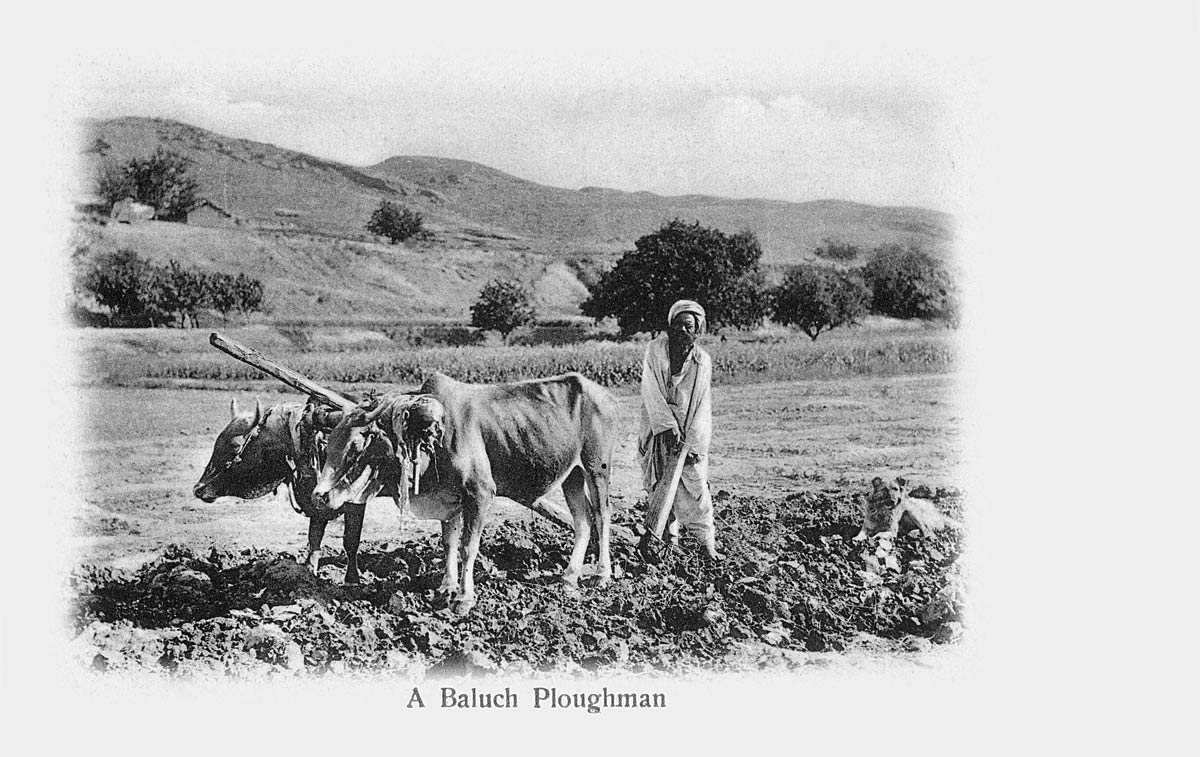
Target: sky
{"points": [[779, 118]]}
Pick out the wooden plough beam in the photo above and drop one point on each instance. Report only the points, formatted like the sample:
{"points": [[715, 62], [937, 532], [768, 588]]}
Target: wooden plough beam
{"points": [[305, 385]]}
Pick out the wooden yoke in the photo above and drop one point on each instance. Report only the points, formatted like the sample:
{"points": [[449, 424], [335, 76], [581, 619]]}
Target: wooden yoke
{"points": [[253, 357]]}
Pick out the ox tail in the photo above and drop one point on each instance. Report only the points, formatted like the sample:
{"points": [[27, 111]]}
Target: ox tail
{"points": [[597, 493]]}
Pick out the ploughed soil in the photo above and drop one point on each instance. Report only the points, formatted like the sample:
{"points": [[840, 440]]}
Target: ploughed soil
{"points": [[793, 584]]}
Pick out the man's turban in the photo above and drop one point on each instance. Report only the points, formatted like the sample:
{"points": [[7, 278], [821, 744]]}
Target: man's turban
{"points": [[687, 306]]}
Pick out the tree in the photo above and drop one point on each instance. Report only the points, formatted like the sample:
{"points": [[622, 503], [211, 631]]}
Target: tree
{"points": [[161, 181], [98, 146], [746, 302], [129, 285], [817, 299], [503, 306], [394, 222], [682, 261], [248, 294], [184, 292], [908, 283], [137, 292], [114, 184], [223, 293]]}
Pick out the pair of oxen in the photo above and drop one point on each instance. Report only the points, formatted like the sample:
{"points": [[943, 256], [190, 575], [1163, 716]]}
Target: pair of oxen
{"points": [[443, 452]]}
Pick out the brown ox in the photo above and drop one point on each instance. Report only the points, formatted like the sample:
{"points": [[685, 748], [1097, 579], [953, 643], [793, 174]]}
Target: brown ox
{"points": [[258, 452], [516, 440]]}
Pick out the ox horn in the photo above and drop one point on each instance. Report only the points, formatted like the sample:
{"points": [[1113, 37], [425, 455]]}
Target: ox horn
{"points": [[375, 414], [257, 412], [233, 408], [326, 418]]}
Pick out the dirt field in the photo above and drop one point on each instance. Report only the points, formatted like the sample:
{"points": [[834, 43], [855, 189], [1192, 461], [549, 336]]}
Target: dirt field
{"points": [[142, 449], [785, 456]]}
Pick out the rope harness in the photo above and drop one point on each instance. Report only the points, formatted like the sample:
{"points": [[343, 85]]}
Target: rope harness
{"points": [[403, 450], [252, 434], [306, 456]]}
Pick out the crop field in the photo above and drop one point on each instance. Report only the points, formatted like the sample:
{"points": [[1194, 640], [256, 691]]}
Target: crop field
{"points": [[168, 585], [164, 358]]}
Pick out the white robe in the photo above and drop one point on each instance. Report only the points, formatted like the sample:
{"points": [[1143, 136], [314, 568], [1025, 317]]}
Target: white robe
{"points": [[682, 404]]}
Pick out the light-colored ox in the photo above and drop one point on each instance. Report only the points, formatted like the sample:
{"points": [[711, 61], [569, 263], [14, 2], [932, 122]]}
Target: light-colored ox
{"points": [[517, 440]]}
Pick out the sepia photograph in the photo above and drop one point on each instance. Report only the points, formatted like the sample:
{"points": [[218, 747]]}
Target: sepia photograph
{"points": [[431, 400], [528, 370]]}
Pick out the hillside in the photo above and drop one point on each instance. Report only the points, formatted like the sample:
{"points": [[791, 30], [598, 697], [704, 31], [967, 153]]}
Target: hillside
{"points": [[788, 231], [309, 277], [300, 224]]}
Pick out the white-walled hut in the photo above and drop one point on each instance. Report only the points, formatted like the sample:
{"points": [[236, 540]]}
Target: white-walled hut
{"points": [[208, 213], [130, 211]]}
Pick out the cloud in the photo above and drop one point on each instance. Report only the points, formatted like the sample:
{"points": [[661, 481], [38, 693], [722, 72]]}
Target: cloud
{"points": [[871, 144], [788, 145], [212, 103]]}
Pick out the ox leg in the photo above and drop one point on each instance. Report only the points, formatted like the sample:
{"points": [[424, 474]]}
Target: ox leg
{"points": [[452, 529], [476, 501], [316, 534], [355, 513], [573, 491], [601, 511]]}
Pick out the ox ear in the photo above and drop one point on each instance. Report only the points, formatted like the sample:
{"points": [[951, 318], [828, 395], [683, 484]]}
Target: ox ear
{"points": [[902, 482], [877, 482], [233, 408]]}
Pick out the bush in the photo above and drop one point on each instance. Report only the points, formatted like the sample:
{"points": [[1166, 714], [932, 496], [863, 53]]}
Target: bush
{"points": [[682, 261], [908, 283], [394, 222], [831, 249], [503, 306], [817, 299], [139, 293], [161, 181]]}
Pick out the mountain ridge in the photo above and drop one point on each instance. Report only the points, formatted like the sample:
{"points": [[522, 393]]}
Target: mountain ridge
{"points": [[256, 178], [300, 225]]}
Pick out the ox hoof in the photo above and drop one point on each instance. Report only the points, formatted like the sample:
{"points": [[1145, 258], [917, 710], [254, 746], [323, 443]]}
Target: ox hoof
{"points": [[351, 579], [463, 605], [604, 582]]}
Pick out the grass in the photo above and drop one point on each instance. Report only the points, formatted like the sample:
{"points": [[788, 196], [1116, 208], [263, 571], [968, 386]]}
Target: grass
{"points": [[864, 351]]}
